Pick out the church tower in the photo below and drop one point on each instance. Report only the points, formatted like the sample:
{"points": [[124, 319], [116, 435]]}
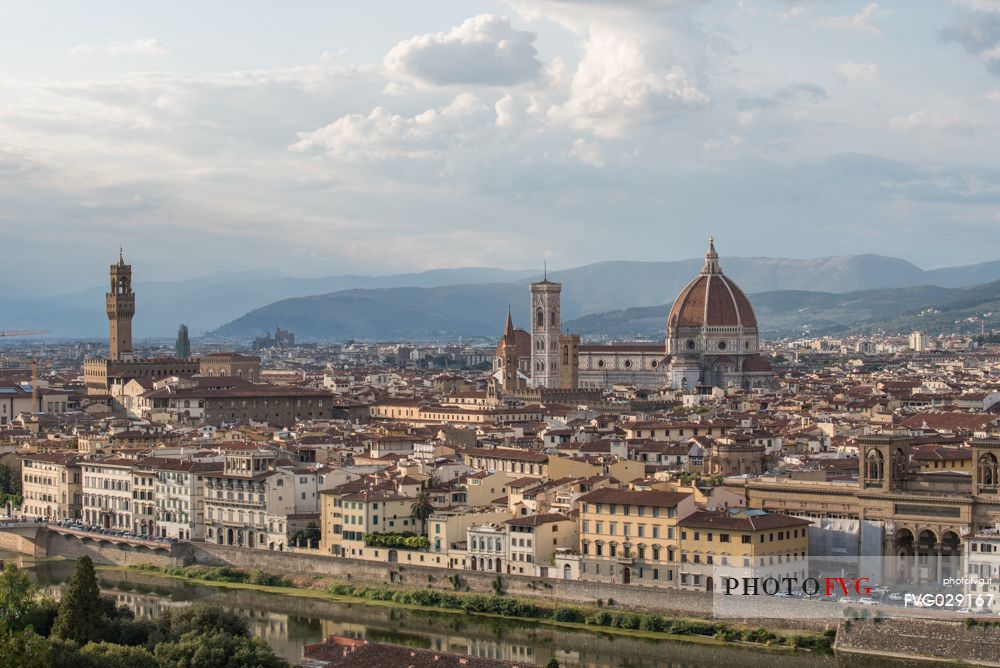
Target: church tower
{"points": [[120, 303], [545, 322], [506, 379]]}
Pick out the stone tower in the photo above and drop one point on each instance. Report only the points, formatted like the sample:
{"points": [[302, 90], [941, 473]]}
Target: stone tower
{"points": [[506, 379], [545, 322], [120, 303], [182, 348], [569, 362], [884, 461]]}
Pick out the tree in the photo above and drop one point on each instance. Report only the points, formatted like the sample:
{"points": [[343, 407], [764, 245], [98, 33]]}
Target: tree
{"points": [[172, 624], [24, 650], [108, 655], [81, 612], [552, 663], [308, 536], [18, 595], [421, 508], [10, 485], [217, 650]]}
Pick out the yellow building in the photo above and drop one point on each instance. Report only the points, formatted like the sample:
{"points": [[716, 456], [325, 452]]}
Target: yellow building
{"points": [[673, 431], [51, 485], [351, 511], [943, 458], [740, 542], [630, 536]]}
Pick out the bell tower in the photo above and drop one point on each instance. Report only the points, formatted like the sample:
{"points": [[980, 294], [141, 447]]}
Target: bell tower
{"points": [[545, 324], [120, 306], [884, 461]]}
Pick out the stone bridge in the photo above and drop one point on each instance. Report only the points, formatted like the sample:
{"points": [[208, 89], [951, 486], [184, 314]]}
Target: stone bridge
{"points": [[27, 538], [41, 540]]}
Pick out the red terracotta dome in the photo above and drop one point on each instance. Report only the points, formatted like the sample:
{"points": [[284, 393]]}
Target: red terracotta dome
{"points": [[711, 300]]}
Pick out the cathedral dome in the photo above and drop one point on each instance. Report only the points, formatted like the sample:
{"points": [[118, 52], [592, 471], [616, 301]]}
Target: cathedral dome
{"points": [[711, 300]]}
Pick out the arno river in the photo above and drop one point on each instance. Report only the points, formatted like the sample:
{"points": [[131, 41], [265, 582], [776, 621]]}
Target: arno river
{"points": [[288, 623]]}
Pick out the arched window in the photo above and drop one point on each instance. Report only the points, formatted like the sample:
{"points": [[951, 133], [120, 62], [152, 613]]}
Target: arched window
{"points": [[553, 321], [539, 318], [988, 470], [874, 464]]}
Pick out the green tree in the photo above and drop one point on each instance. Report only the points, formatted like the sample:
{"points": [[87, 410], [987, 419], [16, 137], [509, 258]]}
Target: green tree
{"points": [[421, 508], [81, 612], [108, 655], [172, 624], [308, 536], [552, 663], [217, 650], [10, 486], [24, 650], [18, 596]]}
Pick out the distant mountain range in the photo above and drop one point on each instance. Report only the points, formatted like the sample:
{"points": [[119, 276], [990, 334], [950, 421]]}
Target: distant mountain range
{"points": [[593, 295], [205, 303], [793, 312], [602, 299]]}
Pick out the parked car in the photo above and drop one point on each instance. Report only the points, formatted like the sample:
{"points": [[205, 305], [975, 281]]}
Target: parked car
{"points": [[867, 600]]}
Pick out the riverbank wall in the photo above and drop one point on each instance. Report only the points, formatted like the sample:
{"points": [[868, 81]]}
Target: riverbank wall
{"points": [[934, 640], [406, 574]]}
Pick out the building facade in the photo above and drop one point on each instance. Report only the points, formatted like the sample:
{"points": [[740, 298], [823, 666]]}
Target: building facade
{"points": [[711, 340], [631, 536], [51, 485]]}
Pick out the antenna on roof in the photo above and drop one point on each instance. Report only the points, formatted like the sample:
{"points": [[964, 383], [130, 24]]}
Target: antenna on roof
{"points": [[545, 268]]}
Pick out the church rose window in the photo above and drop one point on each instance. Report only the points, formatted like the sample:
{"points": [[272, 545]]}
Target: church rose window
{"points": [[690, 344]]}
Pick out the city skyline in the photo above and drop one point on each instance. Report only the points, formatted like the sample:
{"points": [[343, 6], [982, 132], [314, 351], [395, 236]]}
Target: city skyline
{"points": [[337, 140]]}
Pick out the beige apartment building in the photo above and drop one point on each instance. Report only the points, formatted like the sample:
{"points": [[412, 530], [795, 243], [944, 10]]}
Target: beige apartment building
{"points": [[180, 497], [351, 511], [107, 493], [741, 543], [241, 498], [630, 536], [51, 485], [532, 541]]}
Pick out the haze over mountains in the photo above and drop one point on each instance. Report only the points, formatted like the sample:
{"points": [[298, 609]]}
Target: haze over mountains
{"points": [[787, 293], [606, 299]]}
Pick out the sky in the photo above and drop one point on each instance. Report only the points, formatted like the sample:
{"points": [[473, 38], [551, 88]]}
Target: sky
{"points": [[321, 138]]}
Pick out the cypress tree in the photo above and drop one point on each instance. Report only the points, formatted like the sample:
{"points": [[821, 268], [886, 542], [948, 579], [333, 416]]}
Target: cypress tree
{"points": [[81, 615]]}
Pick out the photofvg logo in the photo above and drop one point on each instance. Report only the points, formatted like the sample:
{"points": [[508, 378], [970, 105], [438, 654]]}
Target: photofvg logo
{"points": [[792, 586]]}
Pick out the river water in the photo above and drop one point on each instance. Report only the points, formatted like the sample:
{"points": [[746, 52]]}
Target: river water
{"points": [[287, 623]]}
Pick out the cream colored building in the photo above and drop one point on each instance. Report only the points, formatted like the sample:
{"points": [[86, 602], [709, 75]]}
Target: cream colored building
{"points": [[107, 493], [630, 536], [239, 499], [533, 540], [51, 485], [740, 543]]}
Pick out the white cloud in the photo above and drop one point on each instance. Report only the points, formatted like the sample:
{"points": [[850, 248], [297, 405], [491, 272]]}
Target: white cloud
{"points": [[514, 111], [863, 21], [980, 5], [588, 153], [485, 49], [148, 48], [382, 134], [615, 88], [794, 12], [723, 144], [866, 72], [936, 121]]}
